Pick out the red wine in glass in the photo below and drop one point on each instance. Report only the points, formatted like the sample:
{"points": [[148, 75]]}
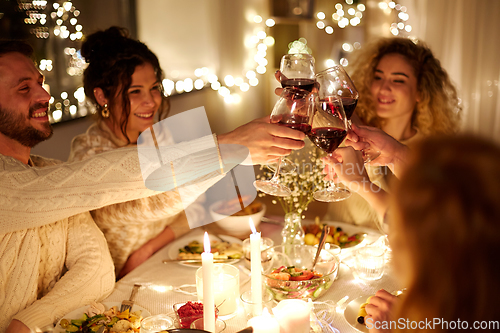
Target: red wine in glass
{"points": [[349, 106], [296, 122], [306, 84], [327, 138]]}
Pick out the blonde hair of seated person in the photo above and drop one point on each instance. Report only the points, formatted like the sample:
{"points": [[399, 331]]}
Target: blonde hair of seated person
{"points": [[445, 229]]}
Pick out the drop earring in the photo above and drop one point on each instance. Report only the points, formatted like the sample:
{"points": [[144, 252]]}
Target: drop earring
{"points": [[105, 111]]}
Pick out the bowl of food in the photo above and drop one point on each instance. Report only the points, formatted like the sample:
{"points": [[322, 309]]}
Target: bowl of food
{"points": [[187, 313], [228, 217], [287, 272]]}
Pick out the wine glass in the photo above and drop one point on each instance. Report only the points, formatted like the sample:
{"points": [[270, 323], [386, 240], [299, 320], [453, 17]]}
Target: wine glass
{"points": [[328, 130], [297, 70], [294, 109], [335, 81]]}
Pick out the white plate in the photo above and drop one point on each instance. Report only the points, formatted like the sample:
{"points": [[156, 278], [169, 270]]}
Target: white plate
{"points": [[78, 313], [350, 229], [351, 313], [173, 250]]}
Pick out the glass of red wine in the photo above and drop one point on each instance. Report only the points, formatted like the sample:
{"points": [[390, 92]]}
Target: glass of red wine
{"points": [[328, 130], [297, 70], [294, 109], [335, 81]]}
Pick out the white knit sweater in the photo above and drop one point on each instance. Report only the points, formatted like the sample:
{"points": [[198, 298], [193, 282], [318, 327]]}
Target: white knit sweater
{"points": [[53, 259], [129, 225]]}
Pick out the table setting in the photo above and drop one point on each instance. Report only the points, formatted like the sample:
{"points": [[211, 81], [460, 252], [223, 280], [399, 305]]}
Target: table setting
{"points": [[164, 287]]}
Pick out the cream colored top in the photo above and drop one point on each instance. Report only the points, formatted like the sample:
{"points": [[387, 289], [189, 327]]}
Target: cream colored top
{"points": [[357, 210], [53, 259], [129, 225]]}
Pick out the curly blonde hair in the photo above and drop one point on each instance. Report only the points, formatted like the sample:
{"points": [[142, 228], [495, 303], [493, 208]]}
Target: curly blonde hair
{"points": [[439, 109]]}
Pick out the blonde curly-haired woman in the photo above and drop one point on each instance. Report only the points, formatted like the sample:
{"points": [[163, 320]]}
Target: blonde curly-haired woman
{"points": [[404, 91]]}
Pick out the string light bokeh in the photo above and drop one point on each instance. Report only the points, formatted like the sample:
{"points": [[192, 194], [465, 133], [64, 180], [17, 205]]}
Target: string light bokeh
{"points": [[60, 19]]}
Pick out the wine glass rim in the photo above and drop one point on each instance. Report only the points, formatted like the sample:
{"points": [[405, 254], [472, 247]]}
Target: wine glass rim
{"points": [[290, 55], [331, 69]]}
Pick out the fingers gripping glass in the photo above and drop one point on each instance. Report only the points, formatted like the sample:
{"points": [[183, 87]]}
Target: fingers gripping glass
{"points": [[335, 81], [297, 70], [294, 109], [328, 130]]}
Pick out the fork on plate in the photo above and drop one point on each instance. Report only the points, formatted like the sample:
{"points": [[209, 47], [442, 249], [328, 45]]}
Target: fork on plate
{"points": [[127, 304]]}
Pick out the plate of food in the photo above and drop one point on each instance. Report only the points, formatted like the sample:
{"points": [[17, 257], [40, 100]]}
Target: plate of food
{"points": [[355, 311], [96, 315], [187, 250], [345, 235]]}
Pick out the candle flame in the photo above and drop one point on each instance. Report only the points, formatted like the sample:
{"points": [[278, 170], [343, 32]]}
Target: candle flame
{"points": [[252, 226], [206, 243], [265, 313]]}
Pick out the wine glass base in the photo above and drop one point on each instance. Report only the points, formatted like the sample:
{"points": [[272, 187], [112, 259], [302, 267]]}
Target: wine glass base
{"points": [[369, 156], [272, 188], [338, 194], [286, 166]]}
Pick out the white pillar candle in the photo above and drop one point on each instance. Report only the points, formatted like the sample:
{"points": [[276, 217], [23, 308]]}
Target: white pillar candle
{"points": [[207, 259], [293, 316], [264, 324], [256, 270]]}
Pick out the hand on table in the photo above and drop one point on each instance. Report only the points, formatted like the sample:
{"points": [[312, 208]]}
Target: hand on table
{"points": [[379, 309], [266, 142], [16, 326], [135, 259]]}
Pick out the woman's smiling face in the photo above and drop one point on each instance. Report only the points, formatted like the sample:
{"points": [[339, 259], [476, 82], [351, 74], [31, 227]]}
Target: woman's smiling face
{"points": [[394, 87], [145, 98]]}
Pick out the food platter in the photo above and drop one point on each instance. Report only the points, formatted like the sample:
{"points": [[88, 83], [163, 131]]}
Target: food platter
{"points": [[173, 250], [78, 313], [350, 229]]}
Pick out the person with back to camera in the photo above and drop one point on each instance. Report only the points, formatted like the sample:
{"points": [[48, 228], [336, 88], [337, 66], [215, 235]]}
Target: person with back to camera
{"points": [[443, 231], [404, 91], [53, 258]]}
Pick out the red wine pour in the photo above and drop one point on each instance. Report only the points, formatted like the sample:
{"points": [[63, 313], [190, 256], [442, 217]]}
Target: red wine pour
{"points": [[306, 84], [327, 138]]}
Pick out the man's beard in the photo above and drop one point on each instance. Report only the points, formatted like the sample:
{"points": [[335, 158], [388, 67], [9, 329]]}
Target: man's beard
{"points": [[18, 128]]}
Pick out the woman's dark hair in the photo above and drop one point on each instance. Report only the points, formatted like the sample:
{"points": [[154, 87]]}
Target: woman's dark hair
{"points": [[112, 58]]}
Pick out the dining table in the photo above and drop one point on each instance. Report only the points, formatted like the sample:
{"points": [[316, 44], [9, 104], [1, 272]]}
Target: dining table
{"points": [[165, 284]]}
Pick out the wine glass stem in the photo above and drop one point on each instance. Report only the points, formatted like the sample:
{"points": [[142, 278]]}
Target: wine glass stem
{"points": [[275, 178]]}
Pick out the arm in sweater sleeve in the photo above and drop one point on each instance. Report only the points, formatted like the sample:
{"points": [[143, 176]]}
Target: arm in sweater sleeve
{"points": [[31, 197], [90, 275]]}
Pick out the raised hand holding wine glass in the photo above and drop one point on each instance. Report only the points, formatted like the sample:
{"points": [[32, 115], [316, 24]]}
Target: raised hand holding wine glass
{"points": [[335, 81], [328, 130], [294, 109], [296, 70]]}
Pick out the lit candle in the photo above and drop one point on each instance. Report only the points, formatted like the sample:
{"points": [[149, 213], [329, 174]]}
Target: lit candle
{"points": [[207, 259], [256, 270], [293, 316], [264, 324]]}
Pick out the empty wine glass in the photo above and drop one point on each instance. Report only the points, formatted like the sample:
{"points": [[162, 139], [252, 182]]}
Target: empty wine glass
{"points": [[294, 109], [335, 81], [328, 130], [297, 70]]}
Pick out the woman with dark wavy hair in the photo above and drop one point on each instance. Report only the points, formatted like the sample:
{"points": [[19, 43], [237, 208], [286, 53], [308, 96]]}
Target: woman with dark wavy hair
{"points": [[403, 90], [123, 80]]}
